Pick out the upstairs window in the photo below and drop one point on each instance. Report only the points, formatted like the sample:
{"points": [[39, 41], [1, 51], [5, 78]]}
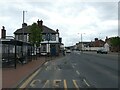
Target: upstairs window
{"points": [[53, 37]]}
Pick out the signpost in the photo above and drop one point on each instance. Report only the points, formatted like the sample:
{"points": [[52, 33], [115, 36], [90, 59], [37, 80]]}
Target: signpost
{"points": [[48, 39]]}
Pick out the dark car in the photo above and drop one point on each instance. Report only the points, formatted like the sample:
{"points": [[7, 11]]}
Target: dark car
{"points": [[102, 51]]}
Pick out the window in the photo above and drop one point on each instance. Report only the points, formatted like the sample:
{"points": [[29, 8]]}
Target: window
{"points": [[53, 37], [44, 37], [43, 47]]}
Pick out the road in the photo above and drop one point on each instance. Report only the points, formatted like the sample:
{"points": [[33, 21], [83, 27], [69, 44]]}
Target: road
{"points": [[77, 70]]}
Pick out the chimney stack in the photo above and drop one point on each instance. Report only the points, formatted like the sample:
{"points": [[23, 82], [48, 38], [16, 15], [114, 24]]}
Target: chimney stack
{"points": [[40, 23], [3, 33], [24, 25], [57, 31], [96, 39]]}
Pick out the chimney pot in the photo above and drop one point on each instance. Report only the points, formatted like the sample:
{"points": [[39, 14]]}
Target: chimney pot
{"points": [[57, 31], [24, 25], [96, 39], [3, 32], [40, 23]]}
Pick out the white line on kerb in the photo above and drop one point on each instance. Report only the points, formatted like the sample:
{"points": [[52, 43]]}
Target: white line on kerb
{"points": [[86, 82], [77, 72]]}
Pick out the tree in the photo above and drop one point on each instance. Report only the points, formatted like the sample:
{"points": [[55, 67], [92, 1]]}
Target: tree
{"points": [[35, 34], [115, 41]]}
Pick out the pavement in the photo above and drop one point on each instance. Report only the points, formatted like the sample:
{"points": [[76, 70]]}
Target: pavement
{"points": [[12, 77]]}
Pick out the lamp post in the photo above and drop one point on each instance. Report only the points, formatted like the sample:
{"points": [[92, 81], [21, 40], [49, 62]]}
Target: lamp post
{"points": [[48, 39], [81, 41]]}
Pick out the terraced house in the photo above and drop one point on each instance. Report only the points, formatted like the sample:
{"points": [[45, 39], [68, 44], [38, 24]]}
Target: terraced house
{"points": [[51, 39]]}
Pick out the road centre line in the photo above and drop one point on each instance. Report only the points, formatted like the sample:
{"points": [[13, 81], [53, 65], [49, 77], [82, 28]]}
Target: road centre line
{"points": [[77, 72], [86, 82], [65, 85], [29, 79], [73, 66], [75, 84]]}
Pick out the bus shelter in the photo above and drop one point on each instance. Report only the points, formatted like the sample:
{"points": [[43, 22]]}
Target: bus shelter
{"points": [[12, 49]]}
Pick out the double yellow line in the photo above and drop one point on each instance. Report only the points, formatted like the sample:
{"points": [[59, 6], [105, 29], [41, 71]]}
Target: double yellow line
{"points": [[74, 83]]}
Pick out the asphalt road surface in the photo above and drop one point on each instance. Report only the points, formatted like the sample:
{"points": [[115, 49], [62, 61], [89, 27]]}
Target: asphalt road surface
{"points": [[77, 70]]}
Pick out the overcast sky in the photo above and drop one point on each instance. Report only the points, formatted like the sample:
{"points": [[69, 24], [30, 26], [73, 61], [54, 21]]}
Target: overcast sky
{"points": [[91, 18]]}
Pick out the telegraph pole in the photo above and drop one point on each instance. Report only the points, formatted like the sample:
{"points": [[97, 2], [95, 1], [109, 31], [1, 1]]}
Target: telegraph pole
{"points": [[23, 28], [81, 42], [24, 15], [23, 23]]}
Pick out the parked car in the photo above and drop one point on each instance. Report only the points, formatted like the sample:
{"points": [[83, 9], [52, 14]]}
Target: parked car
{"points": [[102, 51]]}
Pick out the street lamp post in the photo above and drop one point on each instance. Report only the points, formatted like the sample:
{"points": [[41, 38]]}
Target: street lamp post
{"points": [[81, 41], [48, 39]]}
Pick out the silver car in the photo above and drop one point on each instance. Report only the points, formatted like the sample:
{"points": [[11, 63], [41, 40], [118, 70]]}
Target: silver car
{"points": [[102, 51]]}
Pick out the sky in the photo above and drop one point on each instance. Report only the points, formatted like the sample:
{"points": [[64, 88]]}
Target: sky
{"points": [[91, 18]]}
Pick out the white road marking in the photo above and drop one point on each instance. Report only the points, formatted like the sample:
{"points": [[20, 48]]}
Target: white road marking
{"points": [[59, 69], [46, 68], [45, 83], [86, 82], [56, 83], [73, 66], [75, 84], [32, 84], [77, 72], [29, 79], [46, 63]]}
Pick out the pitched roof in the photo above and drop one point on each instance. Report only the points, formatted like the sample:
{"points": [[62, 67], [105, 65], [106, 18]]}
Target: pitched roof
{"points": [[21, 30], [48, 30], [26, 30]]}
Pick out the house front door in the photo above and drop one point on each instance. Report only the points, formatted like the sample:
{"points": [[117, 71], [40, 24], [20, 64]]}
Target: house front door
{"points": [[53, 50]]}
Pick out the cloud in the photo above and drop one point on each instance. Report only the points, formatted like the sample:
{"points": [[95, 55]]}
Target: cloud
{"points": [[70, 17]]}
